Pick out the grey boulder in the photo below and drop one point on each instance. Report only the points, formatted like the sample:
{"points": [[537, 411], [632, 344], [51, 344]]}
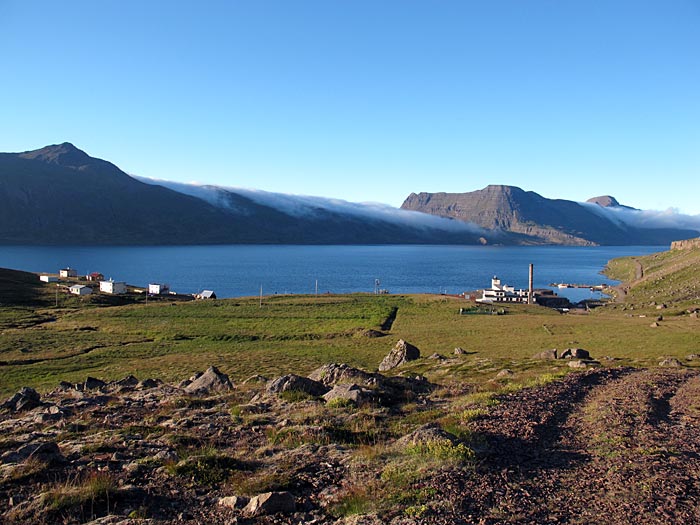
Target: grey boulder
{"points": [[400, 354]]}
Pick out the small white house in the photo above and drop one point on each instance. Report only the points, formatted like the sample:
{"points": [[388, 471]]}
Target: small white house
{"points": [[157, 289], [113, 287], [206, 294], [67, 272], [79, 289], [48, 279]]}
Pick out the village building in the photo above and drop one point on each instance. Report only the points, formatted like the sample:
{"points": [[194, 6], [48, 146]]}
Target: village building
{"points": [[79, 289], [157, 289], [95, 276], [502, 293], [48, 278], [67, 272], [113, 287], [206, 294]]}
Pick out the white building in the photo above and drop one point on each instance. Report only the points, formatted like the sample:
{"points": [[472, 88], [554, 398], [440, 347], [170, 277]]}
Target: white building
{"points": [[79, 289], [113, 287], [157, 289], [502, 293], [206, 294], [48, 278], [67, 272]]}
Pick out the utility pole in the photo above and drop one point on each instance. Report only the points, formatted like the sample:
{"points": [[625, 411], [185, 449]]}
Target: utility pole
{"points": [[316, 287], [261, 296]]}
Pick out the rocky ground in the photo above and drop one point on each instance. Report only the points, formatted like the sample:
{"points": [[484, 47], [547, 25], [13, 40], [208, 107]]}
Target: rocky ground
{"points": [[603, 445]]}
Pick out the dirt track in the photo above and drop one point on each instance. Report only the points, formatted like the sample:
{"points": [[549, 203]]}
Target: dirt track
{"points": [[609, 446]]}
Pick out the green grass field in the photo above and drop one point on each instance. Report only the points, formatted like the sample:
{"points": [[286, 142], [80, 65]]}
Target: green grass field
{"points": [[41, 345]]}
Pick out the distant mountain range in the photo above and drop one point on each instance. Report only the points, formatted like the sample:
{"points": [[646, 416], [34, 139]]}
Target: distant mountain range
{"points": [[61, 195], [600, 221]]}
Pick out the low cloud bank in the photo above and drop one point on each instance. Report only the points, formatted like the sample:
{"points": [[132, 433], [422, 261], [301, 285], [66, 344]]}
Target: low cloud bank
{"points": [[653, 219], [308, 206]]}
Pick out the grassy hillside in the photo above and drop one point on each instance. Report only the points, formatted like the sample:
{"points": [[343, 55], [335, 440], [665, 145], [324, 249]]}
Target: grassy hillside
{"points": [[671, 277]]}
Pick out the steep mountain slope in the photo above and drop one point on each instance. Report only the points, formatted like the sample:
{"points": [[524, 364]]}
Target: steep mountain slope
{"points": [[545, 221], [61, 195]]}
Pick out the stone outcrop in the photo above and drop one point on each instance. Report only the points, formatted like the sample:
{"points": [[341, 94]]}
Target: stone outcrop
{"points": [[270, 503], [547, 354], [575, 353], [400, 354], [26, 399], [295, 383], [212, 380], [688, 244], [351, 393], [569, 353], [670, 362], [334, 373]]}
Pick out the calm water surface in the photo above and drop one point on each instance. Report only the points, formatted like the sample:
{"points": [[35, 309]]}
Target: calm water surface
{"points": [[236, 270]]}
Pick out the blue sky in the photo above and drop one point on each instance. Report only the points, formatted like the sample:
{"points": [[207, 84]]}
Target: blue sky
{"points": [[367, 100]]}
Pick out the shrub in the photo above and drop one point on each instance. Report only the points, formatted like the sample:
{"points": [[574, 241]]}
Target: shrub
{"points": [[96, 488], [207, 468]]}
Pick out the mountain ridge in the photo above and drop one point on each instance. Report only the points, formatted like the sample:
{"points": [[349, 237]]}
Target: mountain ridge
{"points": [[546, 221], [60, 195]]}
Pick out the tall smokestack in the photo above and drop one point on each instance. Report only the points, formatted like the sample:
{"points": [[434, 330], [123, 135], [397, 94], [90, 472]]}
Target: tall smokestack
{"points": [[530, 291]]}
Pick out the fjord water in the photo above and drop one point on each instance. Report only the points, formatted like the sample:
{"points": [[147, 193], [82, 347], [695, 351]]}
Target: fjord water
{"points": [[240, 270]]}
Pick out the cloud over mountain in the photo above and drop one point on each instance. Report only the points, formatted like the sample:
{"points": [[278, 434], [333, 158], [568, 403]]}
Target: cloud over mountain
{"points": [[304, 206], [653, 219]]}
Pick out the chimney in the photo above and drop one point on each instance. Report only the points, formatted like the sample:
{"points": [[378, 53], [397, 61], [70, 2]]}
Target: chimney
{"points": [[530, 290]]}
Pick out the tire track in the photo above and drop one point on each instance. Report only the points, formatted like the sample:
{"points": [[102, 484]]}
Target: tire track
{"points": [[613, 446]]}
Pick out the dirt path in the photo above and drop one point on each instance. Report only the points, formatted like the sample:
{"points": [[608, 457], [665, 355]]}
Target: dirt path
{"points": [[621, 290], [611, 446]]}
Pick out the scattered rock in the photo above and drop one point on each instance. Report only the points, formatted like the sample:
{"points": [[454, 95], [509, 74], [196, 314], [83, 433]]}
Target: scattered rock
{"points": [[399, 355], [437, 356], [26, 399], [351, 393], [128, 381], [234, 502], [654, 324], [575, 353], [661, 307], [694, 315], [670, 362], [546, 354], [166, 456], [293, 382], [577, 364], [334, 373], [147, 384], [460, 351], [47, 452], [92, 383], [505, 373], [270, 503], [210, 381]]}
